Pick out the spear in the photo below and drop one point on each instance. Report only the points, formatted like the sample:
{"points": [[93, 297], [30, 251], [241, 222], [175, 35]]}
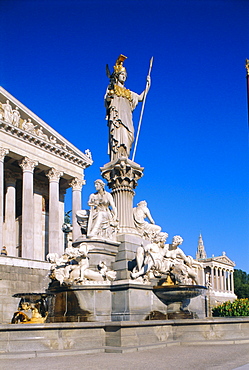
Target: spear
{"points": [[141, 114], [247, 83]]}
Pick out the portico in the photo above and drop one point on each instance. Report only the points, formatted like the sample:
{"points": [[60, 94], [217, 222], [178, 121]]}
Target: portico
{"points": [[37, 166]]}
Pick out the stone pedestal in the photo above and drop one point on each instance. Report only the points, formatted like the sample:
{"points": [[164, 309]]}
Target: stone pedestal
{"points": [[122, 176], [132, 301], [100, 250], [126, 253]]}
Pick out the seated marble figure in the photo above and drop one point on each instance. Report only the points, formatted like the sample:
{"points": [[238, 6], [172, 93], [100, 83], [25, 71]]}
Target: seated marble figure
{"points": [[146, 229], [101, 221]]}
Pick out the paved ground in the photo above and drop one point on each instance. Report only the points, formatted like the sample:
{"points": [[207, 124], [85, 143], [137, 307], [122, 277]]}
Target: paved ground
{"points": [[210, 357]]}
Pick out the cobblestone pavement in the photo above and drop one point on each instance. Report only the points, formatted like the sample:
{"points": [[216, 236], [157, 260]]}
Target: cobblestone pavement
{"points": [[209, 357]]}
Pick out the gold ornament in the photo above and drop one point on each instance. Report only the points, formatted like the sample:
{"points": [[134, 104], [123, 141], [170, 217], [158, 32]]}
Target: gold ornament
{"points": [[247, 66], [119, 64]]}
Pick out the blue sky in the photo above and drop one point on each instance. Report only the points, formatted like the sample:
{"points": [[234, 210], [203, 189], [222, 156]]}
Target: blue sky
{"points": [[194, 137]]}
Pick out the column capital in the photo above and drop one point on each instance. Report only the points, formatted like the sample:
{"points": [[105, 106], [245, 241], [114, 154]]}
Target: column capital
{"points": [[3, 153], [122, 174], [76, 183], [28, 164], [54, 175]]}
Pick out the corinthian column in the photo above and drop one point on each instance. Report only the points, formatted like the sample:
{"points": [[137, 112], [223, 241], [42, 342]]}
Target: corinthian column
{"points": [[122, 176], [10, 213], [3, 153], [76, 185], [54, 222], [28, 166]]}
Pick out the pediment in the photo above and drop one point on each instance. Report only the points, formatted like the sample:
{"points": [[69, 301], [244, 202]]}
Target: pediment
{"points": [[18, 120], [224, 259]]}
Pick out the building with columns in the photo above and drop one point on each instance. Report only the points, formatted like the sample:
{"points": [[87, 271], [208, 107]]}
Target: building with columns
{"points": [[218, 275], [37, 166]]}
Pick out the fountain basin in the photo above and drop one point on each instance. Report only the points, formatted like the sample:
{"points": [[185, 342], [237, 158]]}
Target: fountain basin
{"points": [[177, 298]]}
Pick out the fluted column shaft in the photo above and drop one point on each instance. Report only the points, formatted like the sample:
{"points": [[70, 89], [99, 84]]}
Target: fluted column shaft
{"points": [[229, 281], [232, 282], [3, 153], [76, 185], [28, 166], [212, 277], [10, 214], [54, 223], [39, 224]]}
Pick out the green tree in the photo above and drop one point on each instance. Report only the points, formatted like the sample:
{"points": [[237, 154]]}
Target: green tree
{"points": [[241, 284]]}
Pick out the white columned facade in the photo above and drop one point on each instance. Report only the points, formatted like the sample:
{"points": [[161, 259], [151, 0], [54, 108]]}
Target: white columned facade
{"points": [[28, 166], [76, 185], [3, 153], [54, 222], [10, 214]]}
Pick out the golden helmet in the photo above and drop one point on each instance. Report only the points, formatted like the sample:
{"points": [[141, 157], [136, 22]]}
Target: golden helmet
{"points": [[118, 68]]}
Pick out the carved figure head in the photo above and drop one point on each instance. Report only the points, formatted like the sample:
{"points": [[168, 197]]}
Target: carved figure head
{"points": [[161, 237], [120, 73], [143, 203], [122, 76], [83, 249], [177, 240], [99, 184]]}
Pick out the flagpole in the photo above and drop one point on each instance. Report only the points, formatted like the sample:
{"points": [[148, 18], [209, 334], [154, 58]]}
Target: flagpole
{"points": [[142, 111]]}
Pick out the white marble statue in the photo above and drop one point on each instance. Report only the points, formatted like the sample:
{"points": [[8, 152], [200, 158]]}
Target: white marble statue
{"points": [[16, 117], [102, 221], [1, 111], [28, 126], [158, 258], [88, 153], [145, 229], [7, 111], [120, 103], [53, 140], [73, 267], [40, 133], [150, 258]]}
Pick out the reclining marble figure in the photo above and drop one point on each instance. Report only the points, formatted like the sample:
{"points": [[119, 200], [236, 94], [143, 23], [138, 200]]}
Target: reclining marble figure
{"points": [[73, 267], [157, 259]]}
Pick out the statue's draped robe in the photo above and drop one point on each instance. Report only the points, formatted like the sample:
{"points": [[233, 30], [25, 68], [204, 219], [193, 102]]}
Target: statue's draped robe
{"points": [[119, 116], [101, 213]]}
